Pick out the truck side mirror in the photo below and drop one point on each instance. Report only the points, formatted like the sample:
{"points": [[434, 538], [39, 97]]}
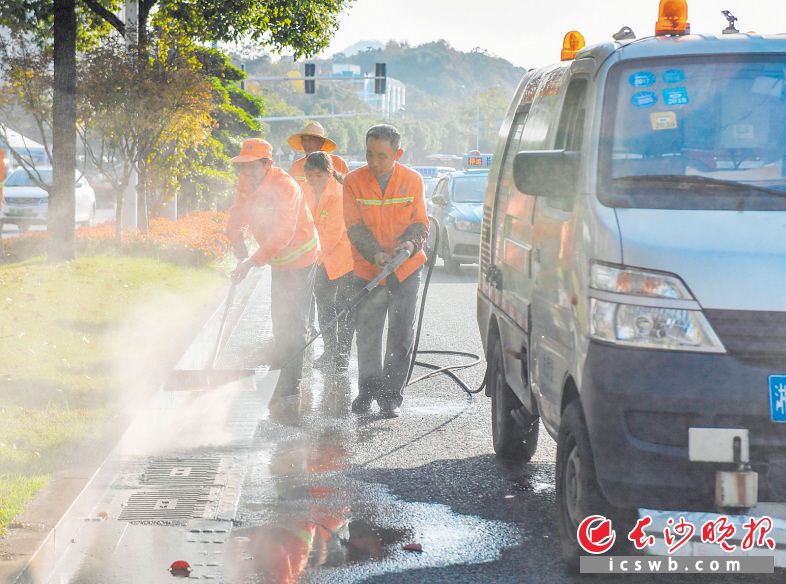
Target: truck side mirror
{"points": [[546, 173], [439, 200]]}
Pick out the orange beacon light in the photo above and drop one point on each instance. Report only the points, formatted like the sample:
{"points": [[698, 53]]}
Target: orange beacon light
{"points": [[571, 44], [672, 18]]}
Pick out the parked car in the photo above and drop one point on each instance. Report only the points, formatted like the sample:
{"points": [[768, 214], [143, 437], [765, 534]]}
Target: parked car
{"points": [[457, 204], [429, 184], [25, 203], [431, 176]]}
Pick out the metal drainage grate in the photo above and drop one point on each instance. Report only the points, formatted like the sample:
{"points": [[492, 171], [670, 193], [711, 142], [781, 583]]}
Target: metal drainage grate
{"points": [[181, 471], [166, 505]]}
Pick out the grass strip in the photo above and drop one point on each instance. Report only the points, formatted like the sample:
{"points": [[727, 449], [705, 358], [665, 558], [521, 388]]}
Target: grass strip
{"points": [[73, 338]]}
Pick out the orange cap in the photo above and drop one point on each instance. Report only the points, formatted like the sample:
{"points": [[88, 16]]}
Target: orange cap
{"points": [[253, 149]]}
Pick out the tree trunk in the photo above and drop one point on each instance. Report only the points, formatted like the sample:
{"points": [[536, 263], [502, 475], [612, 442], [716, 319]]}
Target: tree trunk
{"points": [[60, 222], [120, 199], [141, 190]]}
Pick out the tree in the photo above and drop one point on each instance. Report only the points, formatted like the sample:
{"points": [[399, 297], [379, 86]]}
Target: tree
{"points": [[208, 176], [147, 113], [56, 22], [304, 26]]}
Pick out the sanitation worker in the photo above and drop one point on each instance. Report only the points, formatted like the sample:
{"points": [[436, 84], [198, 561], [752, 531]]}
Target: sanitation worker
{"points": [[312, 138], [334, 284], [271, 204], [385, 211]]}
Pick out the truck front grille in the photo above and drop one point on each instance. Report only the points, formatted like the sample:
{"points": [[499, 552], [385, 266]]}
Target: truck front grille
{"points": [[756, 337]]}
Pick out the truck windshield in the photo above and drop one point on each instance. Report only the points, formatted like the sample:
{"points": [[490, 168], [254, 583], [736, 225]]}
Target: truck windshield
{"points": [[470, 189], [697, 133]]}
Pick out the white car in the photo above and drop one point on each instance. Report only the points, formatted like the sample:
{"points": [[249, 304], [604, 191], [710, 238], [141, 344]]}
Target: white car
{"points": [[26, 204]]}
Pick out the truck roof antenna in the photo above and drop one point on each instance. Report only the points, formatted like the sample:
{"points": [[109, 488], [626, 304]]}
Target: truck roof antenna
{"points": [[732, 19], [624, 34]]}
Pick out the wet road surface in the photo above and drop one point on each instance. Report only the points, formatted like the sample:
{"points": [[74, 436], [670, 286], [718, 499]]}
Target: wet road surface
{"points": [[311, 492]]}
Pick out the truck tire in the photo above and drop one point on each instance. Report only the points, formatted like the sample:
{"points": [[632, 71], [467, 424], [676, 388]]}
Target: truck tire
{"points": [[578, 491], [512, 441]]}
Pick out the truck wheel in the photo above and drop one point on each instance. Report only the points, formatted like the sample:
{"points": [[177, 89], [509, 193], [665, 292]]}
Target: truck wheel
{"points": [[578, 492], [512, 441], [451, 265]]}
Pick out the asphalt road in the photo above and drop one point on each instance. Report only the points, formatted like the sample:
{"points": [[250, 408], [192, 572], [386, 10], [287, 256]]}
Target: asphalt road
{"points": [[313, 493]]}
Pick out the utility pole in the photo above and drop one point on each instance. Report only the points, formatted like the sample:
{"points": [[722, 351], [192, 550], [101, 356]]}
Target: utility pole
{"points": [[129, 212]]}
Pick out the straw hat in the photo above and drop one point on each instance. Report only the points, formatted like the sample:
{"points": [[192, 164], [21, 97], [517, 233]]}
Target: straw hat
{"points": [[253, 149], [311, 129]]}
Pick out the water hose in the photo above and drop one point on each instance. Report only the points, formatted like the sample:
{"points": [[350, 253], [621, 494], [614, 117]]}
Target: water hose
{"points": [[436, 369], [386, 271]]}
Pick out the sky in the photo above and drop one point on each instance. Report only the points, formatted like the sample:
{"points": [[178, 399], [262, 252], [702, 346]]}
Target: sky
{"points": [[529, 33]]}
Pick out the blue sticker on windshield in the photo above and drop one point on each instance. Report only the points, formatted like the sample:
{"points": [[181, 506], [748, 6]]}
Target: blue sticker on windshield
{"points": [[675, 96], [644, 99], [673, 76], [642, 79]]}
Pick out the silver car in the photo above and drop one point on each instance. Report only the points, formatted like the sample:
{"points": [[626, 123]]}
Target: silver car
{"points": [[25, 203]]}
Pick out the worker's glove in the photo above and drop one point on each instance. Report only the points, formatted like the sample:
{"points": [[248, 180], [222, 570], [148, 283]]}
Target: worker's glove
{"points": [[382, 258], [239, 248], [241, 271]]}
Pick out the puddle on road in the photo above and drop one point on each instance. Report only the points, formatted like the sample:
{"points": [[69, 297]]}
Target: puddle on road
{"points": [[283, 553], [304, 517], [537, 478], [351, 530]]}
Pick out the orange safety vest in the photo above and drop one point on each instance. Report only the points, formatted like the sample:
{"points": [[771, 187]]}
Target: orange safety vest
{"points": [[386, 215], [279, 220], [336, 253], [298, 172]]}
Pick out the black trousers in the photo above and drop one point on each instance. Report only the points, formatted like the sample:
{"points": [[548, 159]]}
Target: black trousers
{"points": [[332, 297], [384, 377], [291, 292]]}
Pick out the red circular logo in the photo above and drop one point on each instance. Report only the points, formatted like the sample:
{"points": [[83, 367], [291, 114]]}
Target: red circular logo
{"points": [[595, 534]]}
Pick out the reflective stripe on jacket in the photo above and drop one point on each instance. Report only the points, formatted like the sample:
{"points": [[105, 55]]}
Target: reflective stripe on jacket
{"points": [[387, 216], [280, 221], [298, 172], [336, 253]]}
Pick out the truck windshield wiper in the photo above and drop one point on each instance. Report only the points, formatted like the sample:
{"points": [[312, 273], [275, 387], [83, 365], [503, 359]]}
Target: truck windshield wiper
{"points": [[694, 180]]}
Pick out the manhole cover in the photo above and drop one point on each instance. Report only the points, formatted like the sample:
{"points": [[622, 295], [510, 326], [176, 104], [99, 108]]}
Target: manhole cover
{"points": [[181, 471], [166, 505]]}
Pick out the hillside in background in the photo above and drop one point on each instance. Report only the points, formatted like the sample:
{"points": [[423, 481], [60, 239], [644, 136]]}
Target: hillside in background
{"points": [[362, 46], [455, 100], [440, 70]]}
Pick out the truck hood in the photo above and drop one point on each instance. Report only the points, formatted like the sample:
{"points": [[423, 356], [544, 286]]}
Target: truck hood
{"points": [[730, 260], [468, 211]]}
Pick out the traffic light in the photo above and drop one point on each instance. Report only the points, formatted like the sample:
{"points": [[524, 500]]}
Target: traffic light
{"points": [[380, 79], [311, 69]]}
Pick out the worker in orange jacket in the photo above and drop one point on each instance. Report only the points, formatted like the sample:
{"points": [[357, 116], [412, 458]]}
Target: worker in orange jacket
{"points": [[385, 211], [312, 138], [272, 206], [334, 283]]}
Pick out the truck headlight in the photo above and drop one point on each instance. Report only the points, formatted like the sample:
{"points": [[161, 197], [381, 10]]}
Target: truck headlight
{"points": [[652, 327], [637, 282], [628, 314], [464, 225]]}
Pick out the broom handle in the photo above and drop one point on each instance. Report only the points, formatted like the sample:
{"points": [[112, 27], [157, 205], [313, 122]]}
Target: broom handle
{"points": [[228, 305]]}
